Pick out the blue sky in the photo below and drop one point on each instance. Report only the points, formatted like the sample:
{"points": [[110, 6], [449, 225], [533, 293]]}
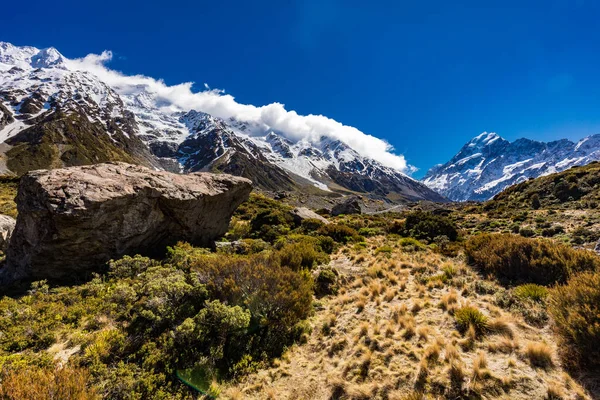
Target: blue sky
{"points": [[424, 75]]}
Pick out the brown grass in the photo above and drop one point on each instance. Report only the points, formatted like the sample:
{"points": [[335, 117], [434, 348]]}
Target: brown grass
{"points": [[35, 383], [539, 354]]}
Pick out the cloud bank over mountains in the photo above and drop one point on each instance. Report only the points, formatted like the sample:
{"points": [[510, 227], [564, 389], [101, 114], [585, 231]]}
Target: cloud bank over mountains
{"points": [[216, 102]]}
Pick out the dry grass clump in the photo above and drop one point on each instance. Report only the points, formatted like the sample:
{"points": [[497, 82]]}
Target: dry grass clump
{"points": [[47, 384], [501, 326], [555, 391], [449, 300], [364, 329], [234, 394], [389, 295], [422, 374], [416, 307], [503, 345], [432, 353], [480, 364], [402, 284], [451, 353], [423, 332], [539, 354], [575, 308], [375, 271], [361, 303], [398, 311], [390, 329], [375, 288], [409, 327]]}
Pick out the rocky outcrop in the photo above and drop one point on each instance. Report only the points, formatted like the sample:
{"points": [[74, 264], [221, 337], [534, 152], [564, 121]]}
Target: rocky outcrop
{"points": [[73, 220], [301, 213], [7, 226], [351, 205]]}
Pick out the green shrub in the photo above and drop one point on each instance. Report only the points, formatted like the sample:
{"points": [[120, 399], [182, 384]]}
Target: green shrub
{"points": [[368, 232], [128, 267], [411, 244], [326, 282], [339, 232], [575, 308], [468, 316], [270, 224], [531, 291], [385, 249], [326, 243], [552, 231], [276, 296], [535, 201], [427, 226], [311, 224], [526, 232], [301, 255], [519, 259]]}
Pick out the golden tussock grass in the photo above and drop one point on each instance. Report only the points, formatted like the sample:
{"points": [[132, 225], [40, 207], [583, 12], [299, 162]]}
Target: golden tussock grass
{"points": [[501, 326], [539, 354], [448, 300], [480, 364], [432, 353], [416, 307], [451, 353], [409, 329], [423, 332], [389, 295], [503, 345], [555, 391]]}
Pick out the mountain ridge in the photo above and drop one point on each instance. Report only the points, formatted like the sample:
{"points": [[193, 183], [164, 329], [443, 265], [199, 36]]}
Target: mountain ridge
{"points": [[40, 85], [488, 164]]}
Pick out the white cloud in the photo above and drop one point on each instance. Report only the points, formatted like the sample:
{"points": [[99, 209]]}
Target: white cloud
{"points": [[216, 102]]}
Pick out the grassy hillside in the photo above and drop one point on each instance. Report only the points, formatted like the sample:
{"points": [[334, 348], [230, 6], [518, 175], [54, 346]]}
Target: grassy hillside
{"points": [[575, 188]]}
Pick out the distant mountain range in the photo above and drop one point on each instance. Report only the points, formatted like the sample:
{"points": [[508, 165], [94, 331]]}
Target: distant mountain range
{"points": [[488, 164], [54, 115]]}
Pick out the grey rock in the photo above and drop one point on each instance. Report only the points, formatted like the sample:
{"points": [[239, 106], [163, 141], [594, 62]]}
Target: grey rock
{"points": [[350, 205], [302, 213], [7, 226], [73, 220]]}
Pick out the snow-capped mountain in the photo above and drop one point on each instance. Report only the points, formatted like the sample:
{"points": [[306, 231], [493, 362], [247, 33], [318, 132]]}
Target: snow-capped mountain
{"points": [[488, 164], [52, 114]]}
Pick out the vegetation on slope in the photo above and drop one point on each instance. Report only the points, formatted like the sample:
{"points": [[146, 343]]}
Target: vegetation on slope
{"points": [[576, 187], [368, 306]]}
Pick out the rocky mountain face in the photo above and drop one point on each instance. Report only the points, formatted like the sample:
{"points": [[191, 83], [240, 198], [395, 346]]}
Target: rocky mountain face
{"points": [[54, 115], [73, 220], [488, 164], [51, 117]]}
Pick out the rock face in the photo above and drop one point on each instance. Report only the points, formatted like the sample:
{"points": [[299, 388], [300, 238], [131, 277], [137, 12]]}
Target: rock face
{"points": [[7, 226], [349, 206], [73, 220]]}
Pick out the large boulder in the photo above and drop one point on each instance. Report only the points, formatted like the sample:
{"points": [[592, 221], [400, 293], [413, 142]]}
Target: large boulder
{"points": [[7, 226], [350, 205], [73, 220], [301, 213]]}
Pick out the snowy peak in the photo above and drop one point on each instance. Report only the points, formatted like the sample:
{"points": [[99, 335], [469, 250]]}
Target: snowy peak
{"points": [[48, 58], [487, 164], [39, 87], [484, 139], [26, 57]]}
